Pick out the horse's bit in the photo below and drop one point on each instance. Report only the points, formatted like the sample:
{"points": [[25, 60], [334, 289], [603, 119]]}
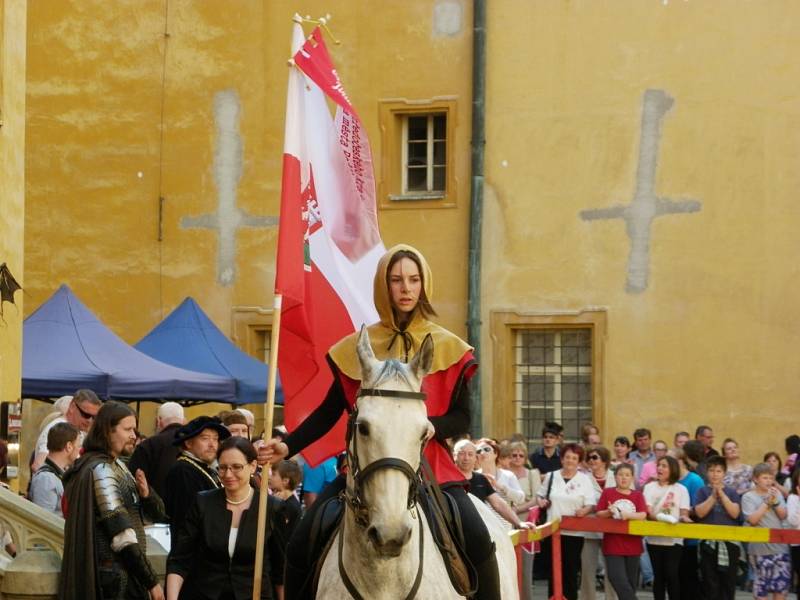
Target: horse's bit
{"points": [[354, 497]]}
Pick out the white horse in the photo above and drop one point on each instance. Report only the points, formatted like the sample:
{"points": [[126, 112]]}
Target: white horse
{"points": [[386, 540]]}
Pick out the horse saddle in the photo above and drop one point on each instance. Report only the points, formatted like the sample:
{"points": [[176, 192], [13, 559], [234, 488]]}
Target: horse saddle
{"points": [[444, 520]]}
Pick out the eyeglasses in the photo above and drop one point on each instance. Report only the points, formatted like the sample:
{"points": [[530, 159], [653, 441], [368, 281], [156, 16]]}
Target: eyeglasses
{"points": [[482, 450], [660, 449], [235, 469], [517, 456], [593, 457], [84, 414]]}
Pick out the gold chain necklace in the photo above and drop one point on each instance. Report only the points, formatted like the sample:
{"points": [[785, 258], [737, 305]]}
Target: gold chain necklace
{"points": [[245, 499]]}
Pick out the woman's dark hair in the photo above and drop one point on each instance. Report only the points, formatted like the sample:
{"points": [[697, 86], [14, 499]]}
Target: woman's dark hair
{"points": [[108, 417], [574, 448], [792, 444], [622, 440], [240, 444], [769, 455], [423, 305], [674, 468]]}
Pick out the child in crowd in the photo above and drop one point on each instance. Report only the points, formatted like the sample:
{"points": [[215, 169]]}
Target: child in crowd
{"points": [[764, 506], [622, 550], [793, 518], [718, 504], [283, 481]]}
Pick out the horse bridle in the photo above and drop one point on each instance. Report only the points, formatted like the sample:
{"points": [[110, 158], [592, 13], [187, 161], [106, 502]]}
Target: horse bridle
{"points": [[354, 497]]}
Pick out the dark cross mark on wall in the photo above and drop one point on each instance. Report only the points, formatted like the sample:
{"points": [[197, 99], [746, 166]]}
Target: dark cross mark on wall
{"points": [[646, 205], [228, 161]]}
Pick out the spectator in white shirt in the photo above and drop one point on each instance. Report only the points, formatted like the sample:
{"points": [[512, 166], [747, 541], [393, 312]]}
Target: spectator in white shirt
{"points": [[80, 413], [567, 493]]}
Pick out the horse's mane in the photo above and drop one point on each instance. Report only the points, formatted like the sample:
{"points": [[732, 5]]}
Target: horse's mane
{"points": [[392, 370]]}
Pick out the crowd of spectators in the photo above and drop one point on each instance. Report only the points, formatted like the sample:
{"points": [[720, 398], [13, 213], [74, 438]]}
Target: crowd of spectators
{"points": [[199, 467], [687, 482], [185, 475]]}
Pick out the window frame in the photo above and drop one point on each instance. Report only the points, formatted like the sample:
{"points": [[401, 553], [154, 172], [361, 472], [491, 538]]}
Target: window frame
{"points": [[504, 328], [393, 184]]}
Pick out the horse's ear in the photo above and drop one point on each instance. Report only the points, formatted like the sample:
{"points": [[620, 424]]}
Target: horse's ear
{"points": [[421, 364], [365, 354]]}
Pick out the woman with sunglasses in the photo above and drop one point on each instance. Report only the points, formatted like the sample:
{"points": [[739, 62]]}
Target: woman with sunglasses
{"points": [[598, 461], [530, 480], [214, 552], [503, 482]]}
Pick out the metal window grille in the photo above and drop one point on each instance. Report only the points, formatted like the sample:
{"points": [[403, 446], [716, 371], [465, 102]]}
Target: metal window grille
{"points": [[424, 154], [553, 380]]}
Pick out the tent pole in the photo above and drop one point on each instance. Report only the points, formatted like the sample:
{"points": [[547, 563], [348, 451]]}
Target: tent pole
{"points": [[269, 409]]}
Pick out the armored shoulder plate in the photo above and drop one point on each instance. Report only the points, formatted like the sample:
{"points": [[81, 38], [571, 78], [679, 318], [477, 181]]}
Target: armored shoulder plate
{"points": [[108, 491]]}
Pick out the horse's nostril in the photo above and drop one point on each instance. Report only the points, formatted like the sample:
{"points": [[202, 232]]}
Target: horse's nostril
{"points": [[374, 536]]}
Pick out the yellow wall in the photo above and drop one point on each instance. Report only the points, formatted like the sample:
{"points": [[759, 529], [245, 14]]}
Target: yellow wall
{"points": [[12, 187], [712, 338], [119, 115]]}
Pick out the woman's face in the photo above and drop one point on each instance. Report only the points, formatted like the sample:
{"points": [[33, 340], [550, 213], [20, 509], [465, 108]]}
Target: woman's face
{"points": [[730, 450], [594, 461], [570, 461], [774, 463], [486, 455], [405, 285], [621, 450], [662, 471], [518, 457], [234, 470]]}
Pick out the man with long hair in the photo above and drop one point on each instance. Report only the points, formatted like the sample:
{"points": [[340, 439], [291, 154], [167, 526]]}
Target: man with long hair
{"points": [[104, 539]]}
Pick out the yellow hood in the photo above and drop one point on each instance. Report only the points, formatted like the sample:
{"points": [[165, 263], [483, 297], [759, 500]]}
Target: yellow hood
{"points": [[385, 336]]}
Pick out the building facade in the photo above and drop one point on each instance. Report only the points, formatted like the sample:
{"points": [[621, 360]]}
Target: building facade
{"points": [[639, 228]]}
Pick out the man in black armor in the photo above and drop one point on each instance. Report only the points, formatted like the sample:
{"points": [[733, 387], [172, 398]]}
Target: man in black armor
{"points": [[104, 539]]}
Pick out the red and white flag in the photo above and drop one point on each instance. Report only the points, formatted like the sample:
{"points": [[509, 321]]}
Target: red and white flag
{"points": [[328, 242]]}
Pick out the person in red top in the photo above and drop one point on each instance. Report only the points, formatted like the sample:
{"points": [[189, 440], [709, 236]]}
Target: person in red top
{"points": [[402, 291], [622, 551]]}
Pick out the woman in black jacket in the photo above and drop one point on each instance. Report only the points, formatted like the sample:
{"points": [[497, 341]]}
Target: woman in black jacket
{"points": [[213, 556]]}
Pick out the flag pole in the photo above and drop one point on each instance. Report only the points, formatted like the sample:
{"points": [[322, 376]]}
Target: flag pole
{"points": [[269, 409]]}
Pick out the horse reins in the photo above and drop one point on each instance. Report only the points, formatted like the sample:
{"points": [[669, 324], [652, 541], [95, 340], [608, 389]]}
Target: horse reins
{"points": [[354, 497]]}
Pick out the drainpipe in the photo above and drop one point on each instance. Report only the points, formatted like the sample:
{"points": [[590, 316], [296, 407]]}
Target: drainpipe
{"points": [[476, 202]]}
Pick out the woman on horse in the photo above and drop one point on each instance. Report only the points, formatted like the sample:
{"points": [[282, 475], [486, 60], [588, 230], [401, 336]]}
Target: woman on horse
{"points": [[402, 292]]}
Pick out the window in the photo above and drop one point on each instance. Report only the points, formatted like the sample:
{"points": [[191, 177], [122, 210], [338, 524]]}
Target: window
{"points": [[251, 329], [545, 367], [553, 380], [418, 154], [263, 340], [424, 155]]}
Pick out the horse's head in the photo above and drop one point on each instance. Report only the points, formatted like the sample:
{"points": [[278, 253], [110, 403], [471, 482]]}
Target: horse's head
{"points": [[387, 431]]}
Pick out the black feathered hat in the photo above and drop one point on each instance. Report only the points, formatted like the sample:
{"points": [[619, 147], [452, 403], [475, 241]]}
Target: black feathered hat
{"points": [[196, 426]]}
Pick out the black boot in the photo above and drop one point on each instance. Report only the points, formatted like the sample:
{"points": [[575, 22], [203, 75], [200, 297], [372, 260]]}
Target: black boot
{"points": [[488, 579]]}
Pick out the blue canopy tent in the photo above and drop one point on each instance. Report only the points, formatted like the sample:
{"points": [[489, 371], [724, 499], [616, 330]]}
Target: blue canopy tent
{"points": [[65, 348], [187, 338]]}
